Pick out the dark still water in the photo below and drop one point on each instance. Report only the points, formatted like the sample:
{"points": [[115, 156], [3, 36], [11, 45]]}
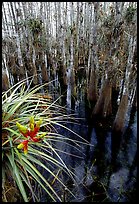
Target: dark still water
{"points": [[105, 170]]}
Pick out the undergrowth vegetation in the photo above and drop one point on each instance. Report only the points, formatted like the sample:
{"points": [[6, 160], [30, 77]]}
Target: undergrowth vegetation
{"points": [[29, 121]]}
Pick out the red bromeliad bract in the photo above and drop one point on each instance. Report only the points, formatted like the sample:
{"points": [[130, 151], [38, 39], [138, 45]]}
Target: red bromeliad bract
{"points": [[30, 133]]}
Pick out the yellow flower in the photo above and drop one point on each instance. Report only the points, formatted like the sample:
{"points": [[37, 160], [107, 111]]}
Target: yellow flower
{"points": [[30, 134], [24, 145], [25, 151], [32, 119], [20, 146], [22, 128], [39, 123], [31, 125]]}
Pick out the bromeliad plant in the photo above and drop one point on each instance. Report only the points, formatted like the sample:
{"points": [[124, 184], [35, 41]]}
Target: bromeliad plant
{"points": [[28, 145], [30, 133]]}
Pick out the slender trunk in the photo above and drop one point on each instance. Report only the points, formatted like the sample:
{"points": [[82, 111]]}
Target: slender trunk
{"points": [[134, 103], [90, 37], [73, 84], [92, 95], [61, 69], [92, 90], [11, 48], [5, 21]]}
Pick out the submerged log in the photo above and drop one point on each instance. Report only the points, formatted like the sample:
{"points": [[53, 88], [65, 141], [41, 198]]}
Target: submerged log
{"points": [[121, 114]]}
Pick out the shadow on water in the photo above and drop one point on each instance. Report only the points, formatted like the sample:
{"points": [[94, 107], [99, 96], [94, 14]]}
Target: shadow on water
{"points": [[106, 170], [122, 182]]}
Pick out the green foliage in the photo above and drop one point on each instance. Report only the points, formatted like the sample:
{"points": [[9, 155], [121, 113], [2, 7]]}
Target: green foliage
{"points": [[129, 14], [22, 171], [35, 25]]}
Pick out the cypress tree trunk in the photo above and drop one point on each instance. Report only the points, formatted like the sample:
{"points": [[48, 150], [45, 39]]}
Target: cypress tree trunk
{"points": [[74, 33], [92, 90], [5, 81], [103, 106], [121, 115], [118, 128], [92, 95], [61, 69]]}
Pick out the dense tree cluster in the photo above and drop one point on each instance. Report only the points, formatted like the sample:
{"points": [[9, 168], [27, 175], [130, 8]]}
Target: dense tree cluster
{"points": [[63, 39]]}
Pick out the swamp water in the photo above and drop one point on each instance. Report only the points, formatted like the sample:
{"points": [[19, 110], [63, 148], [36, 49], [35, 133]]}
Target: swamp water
{"points": [[106, 170]]}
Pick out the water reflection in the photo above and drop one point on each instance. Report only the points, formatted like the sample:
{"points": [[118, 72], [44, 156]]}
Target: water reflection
{"points": [[106, 170], [124, 163], [116, 161]]}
